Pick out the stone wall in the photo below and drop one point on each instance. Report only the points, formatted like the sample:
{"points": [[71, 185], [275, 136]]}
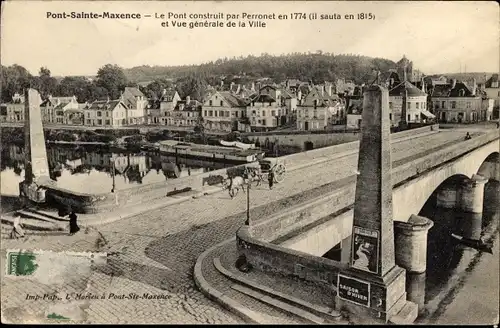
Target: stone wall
{"points": [[273, 258], [321, 139], [300, 216]]}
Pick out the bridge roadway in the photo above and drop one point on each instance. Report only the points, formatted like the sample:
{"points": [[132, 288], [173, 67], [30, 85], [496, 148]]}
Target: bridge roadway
{"points": [[160, 248]]}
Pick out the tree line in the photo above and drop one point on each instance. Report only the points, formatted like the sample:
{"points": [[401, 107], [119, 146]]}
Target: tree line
{"points": [[192, 80], [316, 67]]}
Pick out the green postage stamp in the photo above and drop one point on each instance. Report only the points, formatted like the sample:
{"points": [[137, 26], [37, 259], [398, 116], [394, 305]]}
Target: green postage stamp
{"points": [[37, 263]]}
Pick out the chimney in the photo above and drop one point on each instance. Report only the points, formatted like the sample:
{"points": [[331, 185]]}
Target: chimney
{"points": [[423, 85], [453, 83], [391, 83], [474, 87], [163, 92], [253, 86], [188, 100]]}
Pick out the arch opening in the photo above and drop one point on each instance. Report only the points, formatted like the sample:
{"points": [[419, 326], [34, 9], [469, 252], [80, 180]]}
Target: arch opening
{"points": [[490, 168]]}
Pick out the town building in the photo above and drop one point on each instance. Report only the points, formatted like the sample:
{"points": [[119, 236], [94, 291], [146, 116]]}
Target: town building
{"points": [[408, 104], [187, 113], [54, 109], [457, 102], [136, 104], [270, 108], [344, 87], [492, 90], [106, 113], [168, 101], [13, 111], [318, 110], [405, 68], [223, 112]]}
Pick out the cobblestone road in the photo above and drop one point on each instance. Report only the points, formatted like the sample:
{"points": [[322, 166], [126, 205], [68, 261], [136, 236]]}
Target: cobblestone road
{"points": [[157, 250]]}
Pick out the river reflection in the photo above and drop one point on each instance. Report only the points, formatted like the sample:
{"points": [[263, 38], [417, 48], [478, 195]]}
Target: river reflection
{"points": [[89, 169], [447, 259]]}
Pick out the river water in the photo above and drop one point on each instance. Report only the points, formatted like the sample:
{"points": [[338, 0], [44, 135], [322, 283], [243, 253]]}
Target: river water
{"points": [[448, 261], [89, 169]]}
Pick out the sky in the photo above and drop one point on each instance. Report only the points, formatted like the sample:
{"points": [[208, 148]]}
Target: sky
{"points": [[439, 37]]}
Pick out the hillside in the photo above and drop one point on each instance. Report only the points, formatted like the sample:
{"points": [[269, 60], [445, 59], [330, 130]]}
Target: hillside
{"points": [[480, 77], [317, 67]]}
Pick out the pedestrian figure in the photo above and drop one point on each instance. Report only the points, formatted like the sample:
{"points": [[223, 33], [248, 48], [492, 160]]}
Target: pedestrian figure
{"points": [[467, 136], [73, 226], [17, 230], [270, 178], [498, 125]]}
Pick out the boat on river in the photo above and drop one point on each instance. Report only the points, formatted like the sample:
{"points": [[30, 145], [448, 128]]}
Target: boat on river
{"points": [[215, 153]]}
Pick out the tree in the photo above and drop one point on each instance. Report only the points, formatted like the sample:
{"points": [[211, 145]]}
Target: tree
{"points": [[113, 79], [45, 83], [15, 79], [192, 86]]}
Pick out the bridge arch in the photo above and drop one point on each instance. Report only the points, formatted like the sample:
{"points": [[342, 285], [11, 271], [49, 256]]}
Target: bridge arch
{"points": [[490, 167], [410, 197]]}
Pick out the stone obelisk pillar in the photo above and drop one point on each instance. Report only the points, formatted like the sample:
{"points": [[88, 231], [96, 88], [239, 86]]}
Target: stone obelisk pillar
{"points": [[36, 163], [373, 288]]}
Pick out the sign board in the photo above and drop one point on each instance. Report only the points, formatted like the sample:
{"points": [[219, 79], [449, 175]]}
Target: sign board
{"points": [[365, 249], [353, 290]]}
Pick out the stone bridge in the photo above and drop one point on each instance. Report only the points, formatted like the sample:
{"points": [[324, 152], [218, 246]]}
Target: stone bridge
{"points": [[294, 240]]}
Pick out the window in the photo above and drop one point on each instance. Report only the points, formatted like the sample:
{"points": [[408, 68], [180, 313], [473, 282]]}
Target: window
{"points": [[468, 104], [409, 117], [263, 113], [424, 105], [210, 113], [263, 122], [443, 104], [453, 104], [461, 93], [108, 122], [417, 104], [205, 113], [390, 104], [436, 105], [416, 117], [315, 103], [236, 113], [99, 114], [88, 114], [390, 116], [107, 114], [99, 122], [210, 103], [221, 103], [273, 113], [221, 113], [227, 113], [409, 105]]}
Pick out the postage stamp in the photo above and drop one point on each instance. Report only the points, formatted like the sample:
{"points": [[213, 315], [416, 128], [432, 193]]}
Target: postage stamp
{"points": [[41, 263]]}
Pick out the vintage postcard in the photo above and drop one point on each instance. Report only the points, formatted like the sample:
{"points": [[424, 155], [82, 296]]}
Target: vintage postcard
{"points": [[250, 162]]}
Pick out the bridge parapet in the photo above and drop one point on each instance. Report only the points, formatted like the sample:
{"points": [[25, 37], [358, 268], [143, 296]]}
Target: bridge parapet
{"points": [[410, 169], [274, 258]]}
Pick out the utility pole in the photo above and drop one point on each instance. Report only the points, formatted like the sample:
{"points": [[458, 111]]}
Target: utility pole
{"points": [[247, 222], [113, 173]]}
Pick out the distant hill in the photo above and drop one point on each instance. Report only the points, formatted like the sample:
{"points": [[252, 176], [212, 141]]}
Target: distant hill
{"points": [[317, 67], [480, 77]]}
